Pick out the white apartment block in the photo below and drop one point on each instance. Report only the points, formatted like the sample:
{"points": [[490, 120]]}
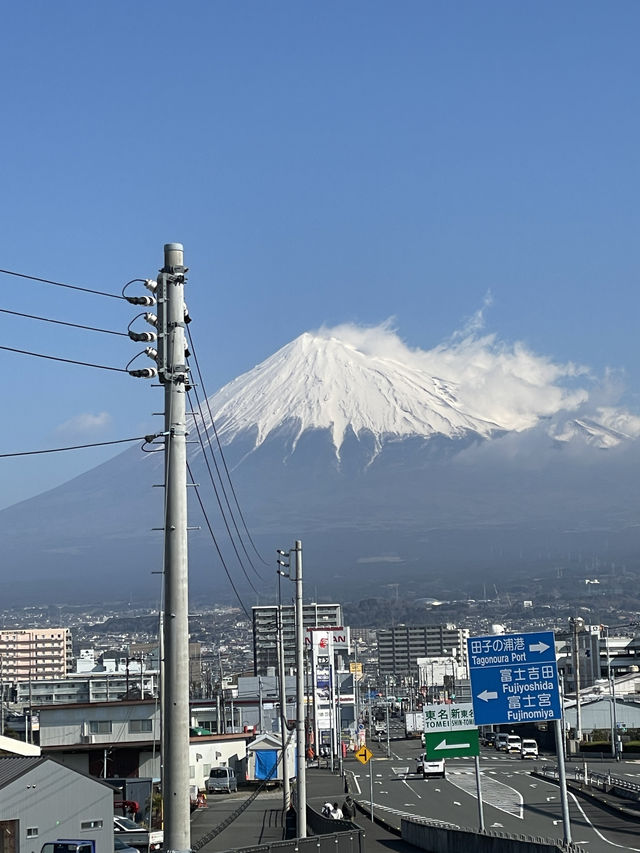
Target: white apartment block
{"points": [[33, 654]]}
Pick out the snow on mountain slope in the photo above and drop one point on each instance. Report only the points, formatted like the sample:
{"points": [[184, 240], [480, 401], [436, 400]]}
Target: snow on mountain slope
{"points": [[369, 382]]}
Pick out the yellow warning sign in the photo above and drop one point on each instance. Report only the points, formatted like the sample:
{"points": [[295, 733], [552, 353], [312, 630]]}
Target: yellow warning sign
{"points": [[364, 755]]}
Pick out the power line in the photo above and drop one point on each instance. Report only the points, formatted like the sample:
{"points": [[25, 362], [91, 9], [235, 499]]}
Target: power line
{"points": [[62, 322], [224, 462], [61, 284], [215, 542], [67, 360], [78, 446], [215, 489]]}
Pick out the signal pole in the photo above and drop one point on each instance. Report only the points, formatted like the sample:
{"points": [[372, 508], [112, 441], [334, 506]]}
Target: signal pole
{"points": [[173, 374]]}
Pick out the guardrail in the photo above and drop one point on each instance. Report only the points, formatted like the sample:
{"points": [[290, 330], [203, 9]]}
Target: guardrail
{"points": [[602, 781]]}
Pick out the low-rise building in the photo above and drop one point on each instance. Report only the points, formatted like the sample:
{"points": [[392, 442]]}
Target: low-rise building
{"points": [[41, 801]]}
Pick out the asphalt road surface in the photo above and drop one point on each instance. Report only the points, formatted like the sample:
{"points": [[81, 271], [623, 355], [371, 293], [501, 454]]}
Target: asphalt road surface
{"points": [[514, 801]]}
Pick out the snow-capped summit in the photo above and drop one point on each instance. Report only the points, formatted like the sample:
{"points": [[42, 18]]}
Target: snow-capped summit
{"points": [[323, 382]]}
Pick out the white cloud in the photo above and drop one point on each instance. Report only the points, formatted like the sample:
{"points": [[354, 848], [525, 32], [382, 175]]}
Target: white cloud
{"points": [[504, 383], [84, 423]]}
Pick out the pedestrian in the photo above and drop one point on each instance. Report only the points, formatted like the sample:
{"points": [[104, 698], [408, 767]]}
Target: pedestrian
{"points": [[349, 808], [336, 812], [326, 809]]}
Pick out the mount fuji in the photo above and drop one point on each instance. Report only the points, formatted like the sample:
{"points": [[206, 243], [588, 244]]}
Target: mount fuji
{"points": [[451, 466]]}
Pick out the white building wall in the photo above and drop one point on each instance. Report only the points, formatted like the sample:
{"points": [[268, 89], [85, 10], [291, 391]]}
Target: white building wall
{"points": [[204, 756], [67, 725]]}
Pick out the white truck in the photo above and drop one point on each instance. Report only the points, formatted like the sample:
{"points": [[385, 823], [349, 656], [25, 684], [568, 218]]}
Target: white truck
{"points": [[137, 835], [413, 724]]}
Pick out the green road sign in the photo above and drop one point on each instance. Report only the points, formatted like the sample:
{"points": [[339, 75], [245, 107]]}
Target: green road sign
{"points": [[450, 744]]}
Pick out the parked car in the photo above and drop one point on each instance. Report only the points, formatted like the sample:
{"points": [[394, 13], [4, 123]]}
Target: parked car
{"points": [[429, 768], [514, 743], [529, 749], [221, 779]]}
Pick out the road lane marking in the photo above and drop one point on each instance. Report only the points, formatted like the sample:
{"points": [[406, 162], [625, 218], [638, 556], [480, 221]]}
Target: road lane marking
{"points": [[494, 793]]}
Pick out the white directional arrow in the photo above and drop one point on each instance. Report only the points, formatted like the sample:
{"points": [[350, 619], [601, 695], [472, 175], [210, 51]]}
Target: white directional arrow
{"points": [[444, 745], [539, 647], [488, 694]]}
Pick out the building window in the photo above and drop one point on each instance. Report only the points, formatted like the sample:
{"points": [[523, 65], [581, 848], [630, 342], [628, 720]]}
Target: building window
{"points": [[100, 727], [137, 726], [192, 771], [32, 832], [91, 824]]}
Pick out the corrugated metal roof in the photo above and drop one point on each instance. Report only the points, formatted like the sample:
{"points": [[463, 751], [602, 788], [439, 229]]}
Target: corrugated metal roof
{"points": [[11, 767]]}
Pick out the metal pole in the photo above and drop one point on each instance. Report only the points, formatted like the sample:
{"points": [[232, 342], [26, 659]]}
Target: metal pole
{"points": [[562, 780], [284, 731], [300, 700], [173, 374], [611, 711], [386, 699], [371, 785], [479, 790], [339, 723]]}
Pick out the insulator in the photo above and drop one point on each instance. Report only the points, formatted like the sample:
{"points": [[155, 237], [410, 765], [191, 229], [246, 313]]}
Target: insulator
{"points": [[187, 318], [143, 336], [141, 300], [151, 319], [144, 373], [151, 284], [151, 352]]}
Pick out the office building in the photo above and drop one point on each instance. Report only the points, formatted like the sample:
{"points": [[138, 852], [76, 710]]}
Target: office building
{"points": [[265, 632], [399, 648]]}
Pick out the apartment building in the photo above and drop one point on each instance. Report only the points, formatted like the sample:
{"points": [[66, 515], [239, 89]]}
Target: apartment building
{"points": [[400, 647], [33, 654], [265, 632]]}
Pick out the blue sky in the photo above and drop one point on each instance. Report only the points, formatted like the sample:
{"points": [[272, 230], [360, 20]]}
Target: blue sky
{"points": [[322, 163]]}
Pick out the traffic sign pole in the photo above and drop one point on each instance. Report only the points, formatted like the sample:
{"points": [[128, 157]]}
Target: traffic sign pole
{"points": [[479, 789], [562, 779], [371, 785]]}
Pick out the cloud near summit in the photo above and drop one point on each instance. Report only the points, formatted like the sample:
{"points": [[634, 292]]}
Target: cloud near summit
{"points": [[501, 382]]}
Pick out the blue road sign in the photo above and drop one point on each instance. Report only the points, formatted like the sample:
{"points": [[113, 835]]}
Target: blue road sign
{"points": [[514, 678]]}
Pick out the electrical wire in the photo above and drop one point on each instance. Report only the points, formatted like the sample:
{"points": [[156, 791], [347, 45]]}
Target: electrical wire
{"points": [[206, 397], [62, 322], [145, 438], [217, 494], [215, 542], [61, 284], [66, 360]]}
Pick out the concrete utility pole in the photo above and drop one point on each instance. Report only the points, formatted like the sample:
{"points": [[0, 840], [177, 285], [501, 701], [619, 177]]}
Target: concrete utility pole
{"points": [[173, 374], [300, 700], [576, 624], [284, 731]]}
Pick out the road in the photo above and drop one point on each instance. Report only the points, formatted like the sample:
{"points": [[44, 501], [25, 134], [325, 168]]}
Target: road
{"points": [[514, 801]]}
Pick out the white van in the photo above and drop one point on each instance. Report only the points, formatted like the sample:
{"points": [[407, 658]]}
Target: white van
{"points": [[529, 749], [514, 744], [221, 779]]}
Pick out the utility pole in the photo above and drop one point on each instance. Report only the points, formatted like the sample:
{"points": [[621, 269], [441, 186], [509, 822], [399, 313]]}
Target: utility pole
{"points": [[300, 700], [173, 374], [575, 623], [284, 730]]}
